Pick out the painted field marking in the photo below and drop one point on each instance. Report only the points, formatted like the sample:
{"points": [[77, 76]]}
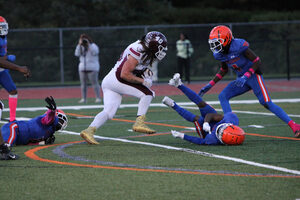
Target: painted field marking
{"points": [[238, 160], [154, 105]]}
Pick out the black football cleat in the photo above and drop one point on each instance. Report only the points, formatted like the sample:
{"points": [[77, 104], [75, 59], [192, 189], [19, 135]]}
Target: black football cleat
{"points": [[9, 156]]}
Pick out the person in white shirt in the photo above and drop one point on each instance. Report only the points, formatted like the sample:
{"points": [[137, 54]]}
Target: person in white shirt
{"points": [[131, 76], [88, 67], [184, 52]]}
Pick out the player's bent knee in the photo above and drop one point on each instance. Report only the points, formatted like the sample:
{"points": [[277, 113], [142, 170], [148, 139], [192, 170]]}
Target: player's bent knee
{"points": [[222, 97]]}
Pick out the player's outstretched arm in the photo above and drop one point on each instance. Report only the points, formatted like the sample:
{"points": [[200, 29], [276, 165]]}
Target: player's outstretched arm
{"points": [[4, 63], [221, 73]]}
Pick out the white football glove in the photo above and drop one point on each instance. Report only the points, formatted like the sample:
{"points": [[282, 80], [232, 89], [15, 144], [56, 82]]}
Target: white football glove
{"points": [[147, 82], [177, 134], [206, 127]]}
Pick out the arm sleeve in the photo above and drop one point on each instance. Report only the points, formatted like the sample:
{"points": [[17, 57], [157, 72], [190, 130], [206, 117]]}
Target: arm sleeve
{"points": [[195, 140], [94, 49], [48, 118]]}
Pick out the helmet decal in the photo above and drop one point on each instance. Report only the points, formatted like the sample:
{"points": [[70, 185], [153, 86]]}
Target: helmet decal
{"points": [[157, 43], [230, 134], [219, 38]]}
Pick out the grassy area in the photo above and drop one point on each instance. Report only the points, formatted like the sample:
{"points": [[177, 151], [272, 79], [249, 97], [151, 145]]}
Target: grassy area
{"points": [[124, 170]]}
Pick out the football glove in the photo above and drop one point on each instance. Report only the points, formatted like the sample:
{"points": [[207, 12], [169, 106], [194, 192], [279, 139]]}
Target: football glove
{"points": [[11, 58], [206, 127], [147, 82], [51, 103], [50, 140], [240, 82], [205, 89]]}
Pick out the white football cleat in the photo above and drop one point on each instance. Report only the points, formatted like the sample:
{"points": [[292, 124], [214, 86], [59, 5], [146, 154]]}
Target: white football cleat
{"points": [[177, 134], [175, 81], [168, 101]]}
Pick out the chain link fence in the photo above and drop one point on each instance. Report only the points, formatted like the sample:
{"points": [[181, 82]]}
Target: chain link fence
{"points": [[49, 52]]}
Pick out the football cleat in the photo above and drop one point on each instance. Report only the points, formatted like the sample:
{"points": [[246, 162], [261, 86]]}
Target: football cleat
{"points": [[82, 101], [88, 135], [5, 153], [175, 81], [168, 101], [8, 156], [98, 100], [140, 126]]}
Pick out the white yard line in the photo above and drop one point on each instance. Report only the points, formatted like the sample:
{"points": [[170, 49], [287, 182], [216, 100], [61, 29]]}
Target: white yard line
{"points": [[152, 105], [202, 153]]}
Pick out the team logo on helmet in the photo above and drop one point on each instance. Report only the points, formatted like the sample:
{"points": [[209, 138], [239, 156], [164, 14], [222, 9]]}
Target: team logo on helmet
{"points": [[3, 26], [219, 38], [230, 134], [157, 43]]}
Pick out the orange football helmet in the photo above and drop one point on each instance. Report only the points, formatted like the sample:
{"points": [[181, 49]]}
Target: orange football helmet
{"points": [[3, 26], [230, 134], [219, 38]]}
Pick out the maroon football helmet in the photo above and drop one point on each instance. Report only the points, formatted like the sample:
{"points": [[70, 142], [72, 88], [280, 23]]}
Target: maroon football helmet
{"points": [[157, 43]]}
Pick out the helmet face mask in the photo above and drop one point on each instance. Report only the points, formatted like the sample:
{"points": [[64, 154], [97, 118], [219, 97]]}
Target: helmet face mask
{"points": [[62, 119], [3, 27], [157, 43], [216, 45], [230, 134], [220, 38]]}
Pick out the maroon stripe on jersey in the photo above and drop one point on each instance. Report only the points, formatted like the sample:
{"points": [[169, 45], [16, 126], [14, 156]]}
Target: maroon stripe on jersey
{"points": [[134, 52], [140, 87]]}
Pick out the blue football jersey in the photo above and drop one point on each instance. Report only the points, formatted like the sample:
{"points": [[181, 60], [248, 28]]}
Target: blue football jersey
{"points": [[235, 58], [3, 46], [211, 139], [35, 130]]}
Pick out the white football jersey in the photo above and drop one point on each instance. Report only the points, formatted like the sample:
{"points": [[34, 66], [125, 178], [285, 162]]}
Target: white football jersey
{"points": [[135, 50]]}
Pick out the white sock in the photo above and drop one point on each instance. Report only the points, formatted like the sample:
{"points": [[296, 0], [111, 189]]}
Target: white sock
{"points": [[100, 119], [144, 104]]}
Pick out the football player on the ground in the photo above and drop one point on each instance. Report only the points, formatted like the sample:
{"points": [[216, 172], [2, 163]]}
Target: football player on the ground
{"points": [[6, 63], [126, 79], [236, 54], [212, 128], [39, 130]]}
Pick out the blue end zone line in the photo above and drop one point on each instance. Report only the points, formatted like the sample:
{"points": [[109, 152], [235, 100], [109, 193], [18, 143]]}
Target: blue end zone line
{"points": [[238, 160]]}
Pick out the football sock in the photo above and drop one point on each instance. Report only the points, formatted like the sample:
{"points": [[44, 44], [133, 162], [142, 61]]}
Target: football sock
{"points": [[99, 119], [144, 104], [294, 126], [187, 115], [12, 103], [193, 96], [278, 112]]}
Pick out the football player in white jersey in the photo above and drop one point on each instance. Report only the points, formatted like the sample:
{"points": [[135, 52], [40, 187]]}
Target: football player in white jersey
{"points": [[130, 76]]}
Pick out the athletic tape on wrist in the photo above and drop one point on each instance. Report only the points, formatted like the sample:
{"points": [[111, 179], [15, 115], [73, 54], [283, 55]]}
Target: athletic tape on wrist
{"points": [[219, 76], [212, 82], [256, 59]]}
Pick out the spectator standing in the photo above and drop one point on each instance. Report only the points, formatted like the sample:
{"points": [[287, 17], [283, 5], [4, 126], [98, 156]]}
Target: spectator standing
{"points": [[88, 67], [184, 52]]}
